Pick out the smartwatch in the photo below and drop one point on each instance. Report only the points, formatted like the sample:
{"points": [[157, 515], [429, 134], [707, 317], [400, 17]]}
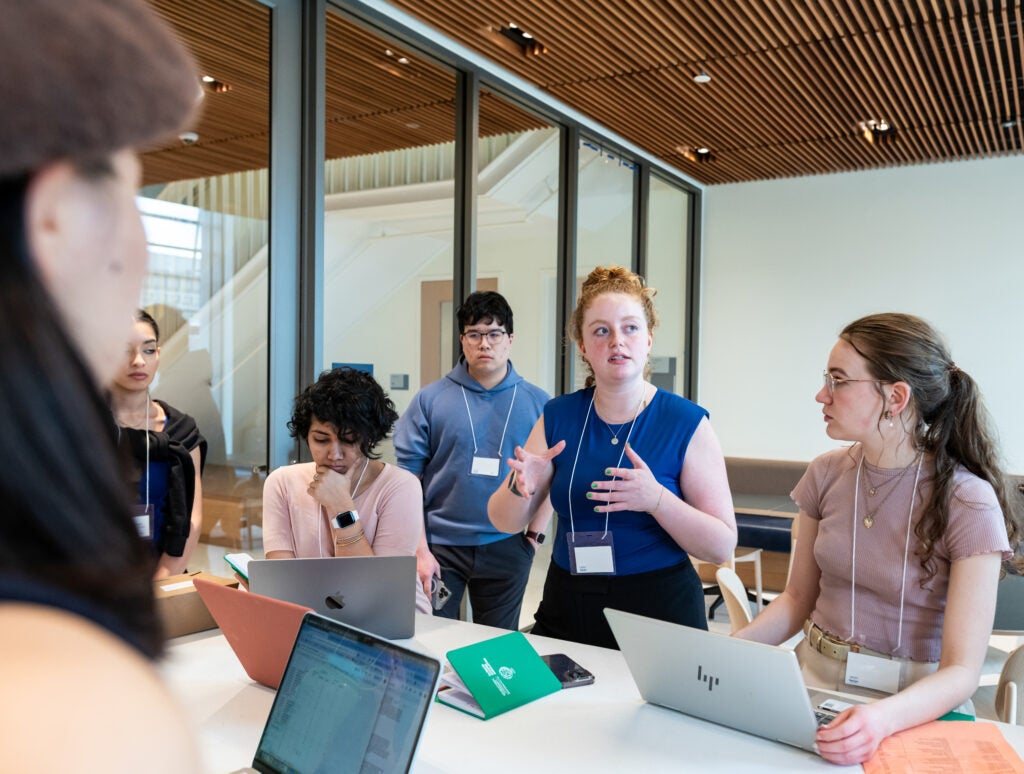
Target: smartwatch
{"points": [[537, 537], [346, 519]]}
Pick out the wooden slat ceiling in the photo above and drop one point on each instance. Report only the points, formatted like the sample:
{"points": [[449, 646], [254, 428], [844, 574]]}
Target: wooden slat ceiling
{"points": [[791, 80]]}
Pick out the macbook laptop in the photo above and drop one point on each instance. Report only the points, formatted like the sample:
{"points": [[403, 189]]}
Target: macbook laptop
{"points": [[261, 630], [745, 685], [375, 593], [348, 701]]}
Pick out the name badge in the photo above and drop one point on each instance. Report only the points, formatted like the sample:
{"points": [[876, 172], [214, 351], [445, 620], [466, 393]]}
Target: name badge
{"points": [[591, 553], [142, 515], [485, 466], [878, 674]]}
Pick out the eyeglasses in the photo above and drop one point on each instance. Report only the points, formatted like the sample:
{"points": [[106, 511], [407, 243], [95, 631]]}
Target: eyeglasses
{"points": [[475, 337], [832, 381]]}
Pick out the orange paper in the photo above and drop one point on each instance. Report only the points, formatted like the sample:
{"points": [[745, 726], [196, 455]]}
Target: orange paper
{"points": [[941, 747]]}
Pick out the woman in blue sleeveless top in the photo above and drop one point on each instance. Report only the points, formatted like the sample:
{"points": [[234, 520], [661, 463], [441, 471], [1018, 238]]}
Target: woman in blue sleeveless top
{"points": [[635, 474]]}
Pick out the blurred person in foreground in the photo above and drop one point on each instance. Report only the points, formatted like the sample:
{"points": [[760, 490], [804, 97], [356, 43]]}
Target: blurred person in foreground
{"points": [[82, 86]]}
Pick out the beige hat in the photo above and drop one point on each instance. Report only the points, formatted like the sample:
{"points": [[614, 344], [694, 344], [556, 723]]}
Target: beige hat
{"points": [[82, 79]]}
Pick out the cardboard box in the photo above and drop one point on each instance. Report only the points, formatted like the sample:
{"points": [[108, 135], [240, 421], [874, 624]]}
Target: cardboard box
{"points": [[180, 605]]}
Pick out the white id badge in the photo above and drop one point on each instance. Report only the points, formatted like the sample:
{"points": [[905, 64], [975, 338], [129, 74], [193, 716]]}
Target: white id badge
{"points": [[878, 674], [142, 515], [591, 553], [485, 466]]}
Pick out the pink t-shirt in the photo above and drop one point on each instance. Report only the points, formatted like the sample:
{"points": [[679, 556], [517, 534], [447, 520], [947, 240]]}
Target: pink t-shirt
{"points": [[826, 493], [390, 510]]}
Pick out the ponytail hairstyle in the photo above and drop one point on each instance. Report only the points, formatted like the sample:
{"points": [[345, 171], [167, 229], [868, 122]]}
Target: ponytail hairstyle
{"points": [[610, 279], [952, 425]]}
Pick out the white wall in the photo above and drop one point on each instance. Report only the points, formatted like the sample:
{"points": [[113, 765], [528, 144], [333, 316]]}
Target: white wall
{"points": [[788, 263]]}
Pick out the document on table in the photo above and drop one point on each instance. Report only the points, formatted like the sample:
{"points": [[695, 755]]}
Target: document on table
{"points": [[941, 747]]}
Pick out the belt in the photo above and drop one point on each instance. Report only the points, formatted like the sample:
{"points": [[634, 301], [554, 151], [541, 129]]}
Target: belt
{"points": [[835, 648]]}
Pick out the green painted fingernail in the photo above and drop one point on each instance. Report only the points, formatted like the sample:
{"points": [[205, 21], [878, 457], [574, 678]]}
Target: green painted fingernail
{"points": [[594, 485], [607, 471], [596, 507], [590, 495]]}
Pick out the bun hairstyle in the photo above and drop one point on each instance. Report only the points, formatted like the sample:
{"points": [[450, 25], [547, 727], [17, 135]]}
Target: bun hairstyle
{"points": [[83, 80], [610, 279]]}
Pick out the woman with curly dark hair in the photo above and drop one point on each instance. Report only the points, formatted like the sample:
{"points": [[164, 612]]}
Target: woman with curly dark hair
{"points": [[346, 502], [902, 536]]}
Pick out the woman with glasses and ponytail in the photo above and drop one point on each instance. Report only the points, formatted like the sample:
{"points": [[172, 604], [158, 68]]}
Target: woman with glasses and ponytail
{"points": [[902, 537]]}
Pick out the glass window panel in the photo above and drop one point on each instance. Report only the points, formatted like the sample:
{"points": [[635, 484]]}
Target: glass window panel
{"points": [[604, 234], [667, 240], [517, 238], [389, 210], [204, 208]]}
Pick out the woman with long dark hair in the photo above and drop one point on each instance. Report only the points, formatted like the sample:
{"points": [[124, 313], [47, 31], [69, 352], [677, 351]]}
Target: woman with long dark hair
{"points": [[168, 450], [82, 86], [902, 536]]}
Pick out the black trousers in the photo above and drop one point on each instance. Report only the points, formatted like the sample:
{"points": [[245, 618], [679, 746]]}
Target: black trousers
{"points": [[573, 605], [496, 575]]}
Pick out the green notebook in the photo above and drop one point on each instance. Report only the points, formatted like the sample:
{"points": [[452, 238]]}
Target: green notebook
{"points": [[495, 676]]}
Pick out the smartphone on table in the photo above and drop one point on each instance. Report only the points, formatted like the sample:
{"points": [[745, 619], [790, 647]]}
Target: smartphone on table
{"points": [[569, 673]]}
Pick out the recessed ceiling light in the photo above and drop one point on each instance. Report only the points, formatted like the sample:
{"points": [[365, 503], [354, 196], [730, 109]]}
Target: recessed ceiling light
{"points": [[702, 77], [699, 153], [524, 41], [412, 125], [208, 79], [877, 131], [389, 52], [1008, 124], [403, 60]]}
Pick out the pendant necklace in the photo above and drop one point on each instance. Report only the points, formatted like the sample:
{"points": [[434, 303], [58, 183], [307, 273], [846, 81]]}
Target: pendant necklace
{"points": [[617, 430], [872, 489]]}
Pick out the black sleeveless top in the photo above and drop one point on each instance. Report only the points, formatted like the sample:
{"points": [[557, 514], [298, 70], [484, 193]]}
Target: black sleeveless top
{"points": [[19, 588]]}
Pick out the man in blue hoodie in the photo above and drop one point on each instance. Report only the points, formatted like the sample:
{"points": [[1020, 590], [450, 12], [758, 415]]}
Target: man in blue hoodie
{"points": [[456, 435]]}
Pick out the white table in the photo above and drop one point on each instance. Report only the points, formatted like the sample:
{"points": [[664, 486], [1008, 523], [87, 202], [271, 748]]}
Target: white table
{"points": [[604, 727]]}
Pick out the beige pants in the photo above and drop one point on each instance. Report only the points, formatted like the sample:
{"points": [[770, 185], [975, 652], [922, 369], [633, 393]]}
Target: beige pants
{"points": [[820, 671]]}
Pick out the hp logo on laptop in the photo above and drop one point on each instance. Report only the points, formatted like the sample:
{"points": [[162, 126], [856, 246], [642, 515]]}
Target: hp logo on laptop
{"points": [[704, 677]]}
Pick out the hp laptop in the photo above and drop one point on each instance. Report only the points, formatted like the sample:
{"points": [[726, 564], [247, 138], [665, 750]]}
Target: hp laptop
{"points": [[348, 701], [745, 685], [261, 630], [375, 593]]}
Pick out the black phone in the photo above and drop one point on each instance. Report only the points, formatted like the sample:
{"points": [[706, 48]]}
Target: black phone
{"points": [[569, 673]]}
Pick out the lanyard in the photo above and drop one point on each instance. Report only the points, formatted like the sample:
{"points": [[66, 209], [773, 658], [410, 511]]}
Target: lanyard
{"points": [[507, 417], [906, 549], [572, 473]]}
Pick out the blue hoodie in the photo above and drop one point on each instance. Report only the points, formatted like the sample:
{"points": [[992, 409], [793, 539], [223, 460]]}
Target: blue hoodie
{"points": [[434, 440]]}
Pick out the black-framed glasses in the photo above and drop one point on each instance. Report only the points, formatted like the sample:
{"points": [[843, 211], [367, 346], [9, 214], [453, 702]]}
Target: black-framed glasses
{"points": [[832, 381], [493, 337]]}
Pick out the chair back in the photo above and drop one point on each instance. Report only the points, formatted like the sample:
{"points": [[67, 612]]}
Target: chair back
{"points": [[735, 596], [1008, 691]]}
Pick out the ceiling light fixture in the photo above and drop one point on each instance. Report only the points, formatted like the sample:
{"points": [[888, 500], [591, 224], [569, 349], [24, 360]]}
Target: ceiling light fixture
{"points": [[877, 132], [517, 40], [697, 153], [1009, 123], [702, 77], [208, 79]]}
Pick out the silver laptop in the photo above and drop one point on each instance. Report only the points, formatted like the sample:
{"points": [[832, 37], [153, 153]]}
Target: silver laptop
{"points": [[348, 701], [375, 593], [745, 685]]}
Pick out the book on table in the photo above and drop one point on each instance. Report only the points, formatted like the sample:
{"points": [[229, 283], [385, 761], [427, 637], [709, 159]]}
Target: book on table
{"points": [[495, 676]]}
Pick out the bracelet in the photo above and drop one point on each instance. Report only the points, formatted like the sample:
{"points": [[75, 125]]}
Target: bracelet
{"points": [[658, 504], [348, 541], [512, 486]]}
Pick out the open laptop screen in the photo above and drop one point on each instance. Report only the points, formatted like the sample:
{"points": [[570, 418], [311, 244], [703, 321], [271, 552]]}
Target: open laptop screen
{"points": [[348, 701]]}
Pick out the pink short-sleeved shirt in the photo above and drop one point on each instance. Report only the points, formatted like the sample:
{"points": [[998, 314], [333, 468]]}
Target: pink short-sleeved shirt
{"points": [[826, 493], [390, 509]]}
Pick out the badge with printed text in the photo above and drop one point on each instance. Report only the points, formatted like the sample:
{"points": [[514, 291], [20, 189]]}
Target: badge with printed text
{"points": [[878, 674], [591, 553], [485, 466], [142, 515]]}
